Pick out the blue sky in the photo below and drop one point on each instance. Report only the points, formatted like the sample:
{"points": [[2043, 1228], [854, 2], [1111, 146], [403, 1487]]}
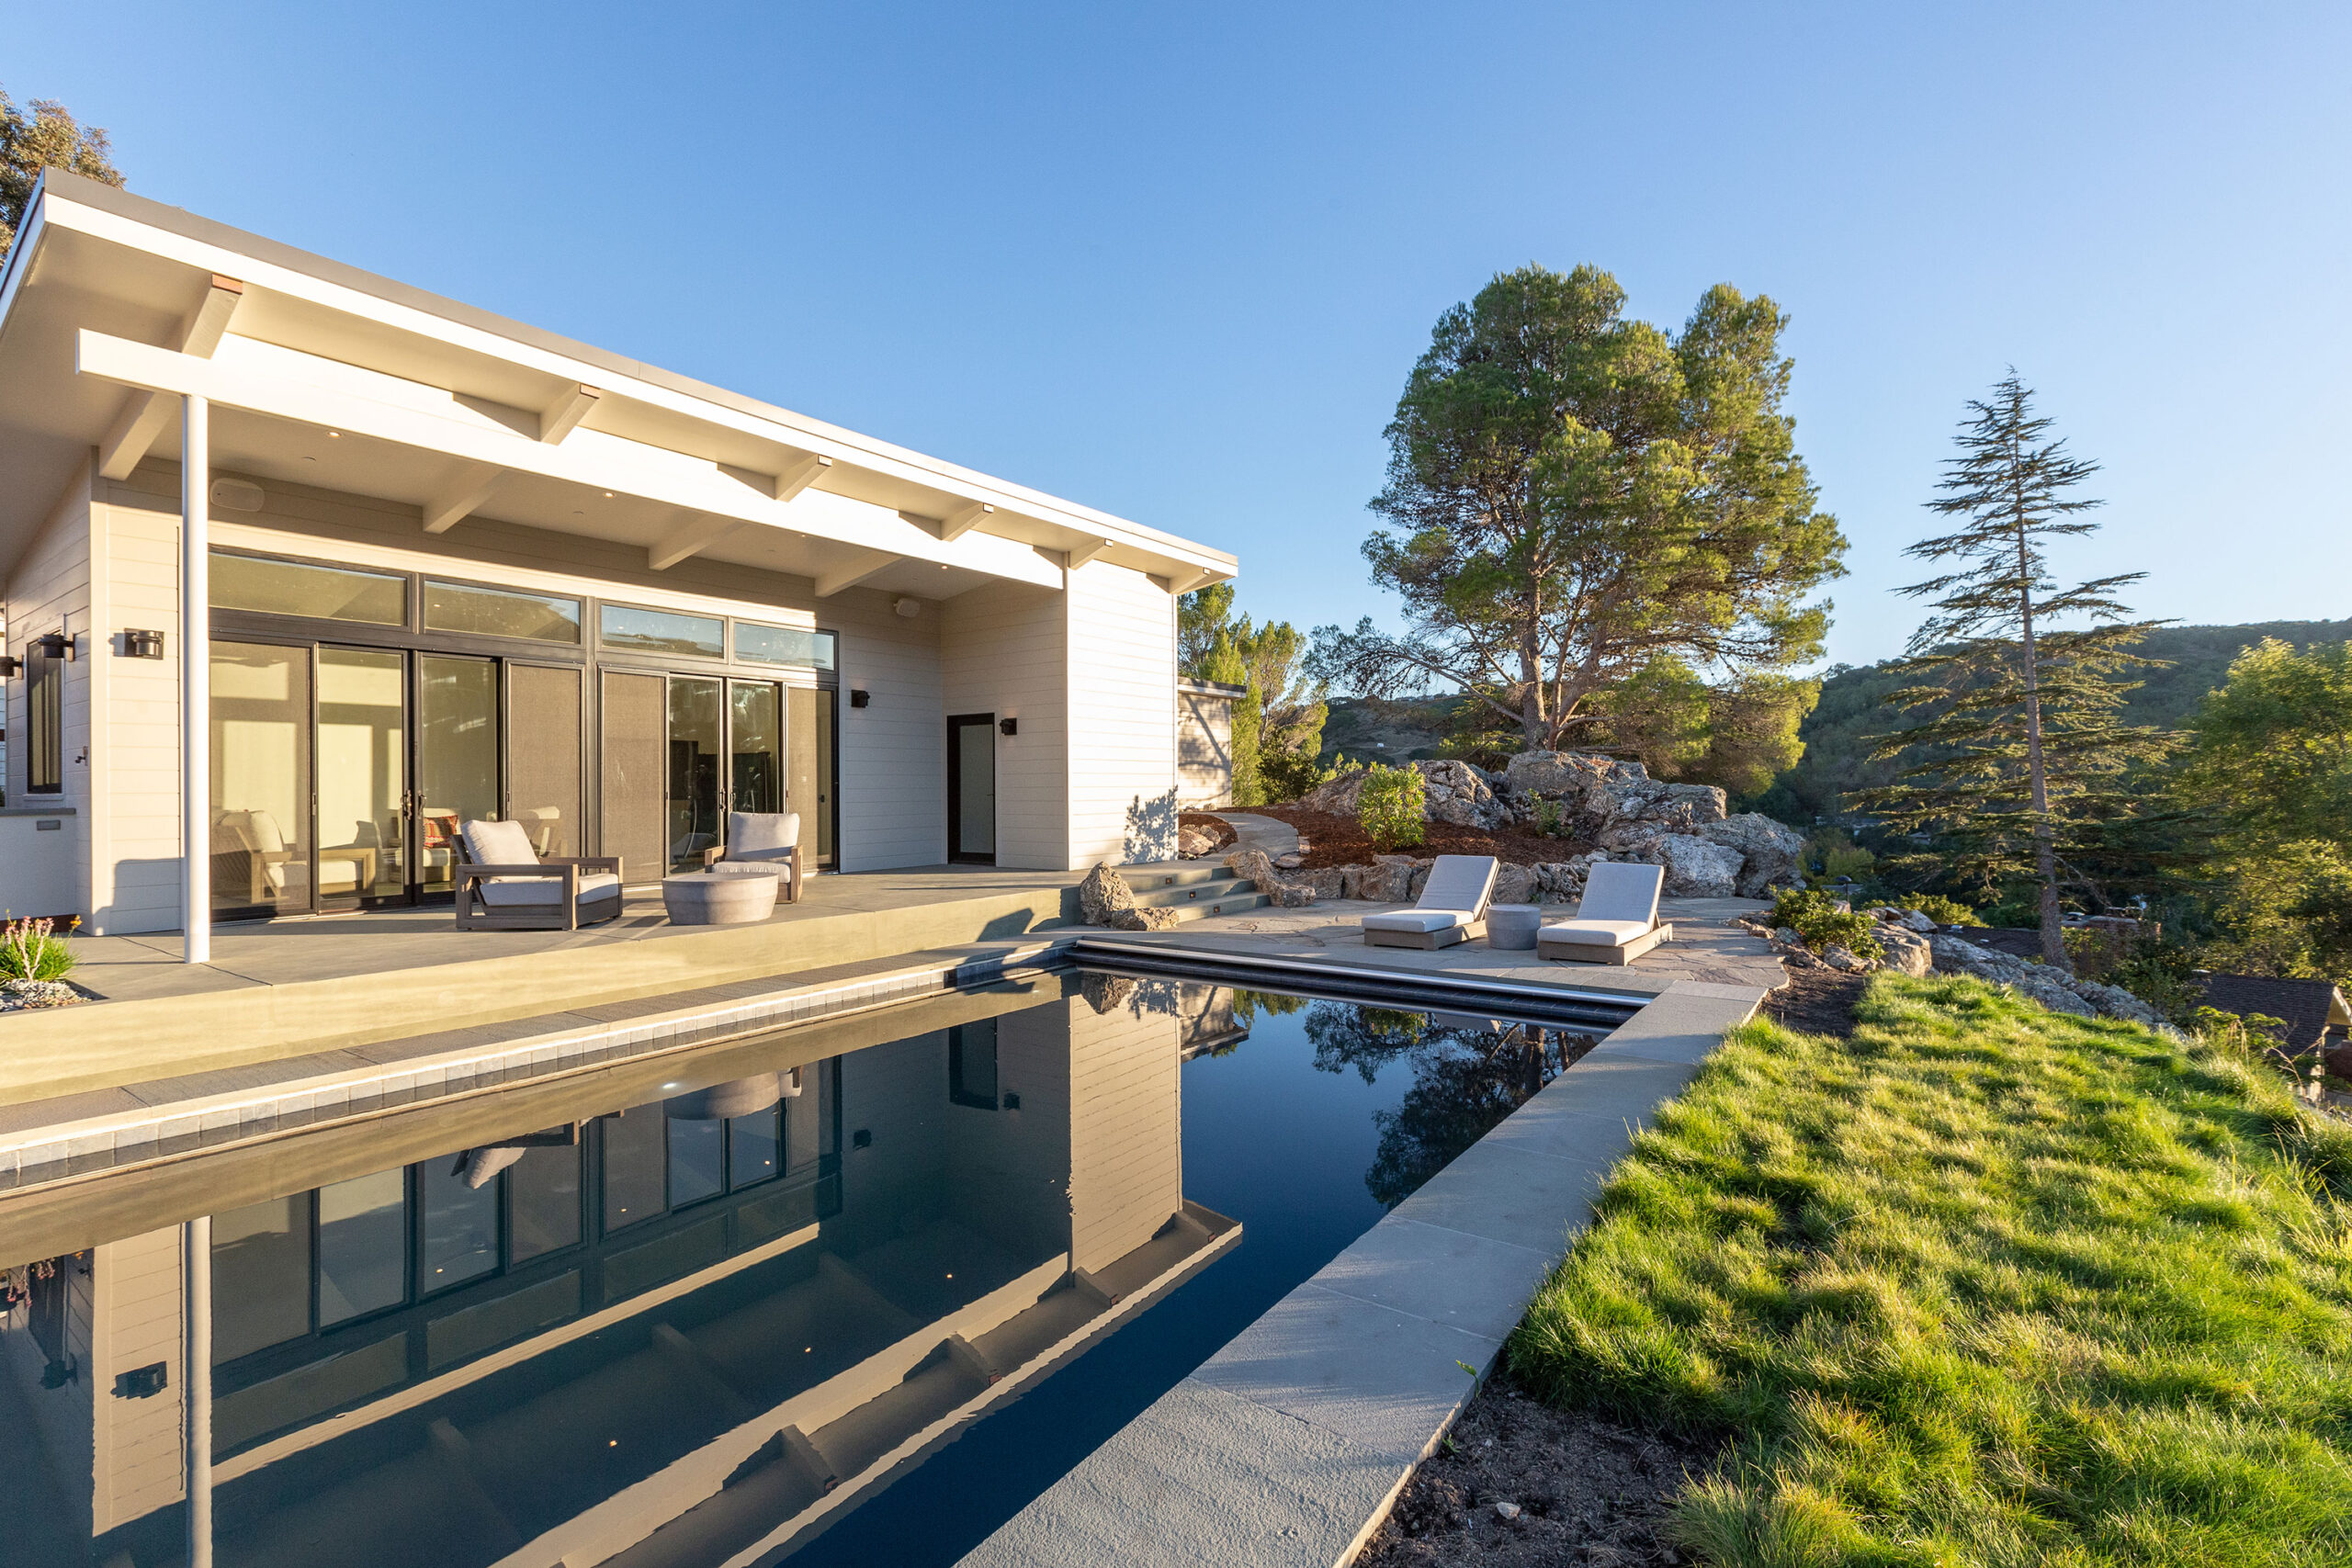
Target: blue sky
{"points": [[1175, 262]]}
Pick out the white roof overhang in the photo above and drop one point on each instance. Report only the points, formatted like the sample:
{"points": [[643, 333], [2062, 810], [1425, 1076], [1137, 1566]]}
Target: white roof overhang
{"points": [[334, 378]]}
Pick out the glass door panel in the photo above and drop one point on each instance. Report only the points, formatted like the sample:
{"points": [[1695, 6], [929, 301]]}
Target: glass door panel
{"points": [[755, 747], [362, 774], [695, 744], [457, 759], [543, 756], [261, 778], [809, 761], [971, 789], [635, 716]]}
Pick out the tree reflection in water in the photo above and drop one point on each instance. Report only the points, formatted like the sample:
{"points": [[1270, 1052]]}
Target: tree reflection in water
{"points": [[1468, 1074]]}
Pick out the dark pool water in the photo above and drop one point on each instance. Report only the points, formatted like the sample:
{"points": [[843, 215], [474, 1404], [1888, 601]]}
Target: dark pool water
{"points": [[790, 1262]]}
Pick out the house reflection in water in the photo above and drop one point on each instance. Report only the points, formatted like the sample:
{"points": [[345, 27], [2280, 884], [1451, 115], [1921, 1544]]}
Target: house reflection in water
{"points": [[688, 1326]]}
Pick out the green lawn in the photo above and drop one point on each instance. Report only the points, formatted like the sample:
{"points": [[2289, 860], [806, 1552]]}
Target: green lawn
{"points": [[1982, 1284]]}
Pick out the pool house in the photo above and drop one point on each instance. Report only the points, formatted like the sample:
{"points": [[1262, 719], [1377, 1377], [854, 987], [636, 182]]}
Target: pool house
{"points": [[301, 567]]}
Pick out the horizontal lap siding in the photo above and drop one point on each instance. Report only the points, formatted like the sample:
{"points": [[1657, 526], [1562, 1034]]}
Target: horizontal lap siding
{"points": [[136, 867], [1004, 652], [48, 588], [1205, 750], [893, 753], [1122, 712]]}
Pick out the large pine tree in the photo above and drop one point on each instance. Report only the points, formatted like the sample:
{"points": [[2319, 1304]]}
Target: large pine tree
{"points": [[2018, 756]]}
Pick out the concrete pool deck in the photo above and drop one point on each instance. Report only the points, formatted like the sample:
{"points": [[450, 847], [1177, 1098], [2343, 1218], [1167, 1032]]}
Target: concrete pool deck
{"points": [[1289, 1445]]}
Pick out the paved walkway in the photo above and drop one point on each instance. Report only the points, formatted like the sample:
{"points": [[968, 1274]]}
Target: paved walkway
{"points": [[1260, 833], [1289, 1445]]}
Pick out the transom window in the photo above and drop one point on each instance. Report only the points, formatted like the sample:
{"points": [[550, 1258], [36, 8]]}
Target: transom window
{"points": [[759, 643], [500, 612], [626, 627], [315, 592]]}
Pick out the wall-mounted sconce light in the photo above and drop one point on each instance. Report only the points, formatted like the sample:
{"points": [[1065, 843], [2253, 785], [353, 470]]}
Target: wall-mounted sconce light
{"points": [[858, 699], [1008, 726], [56, 645], [10, 666], [139, 645]]}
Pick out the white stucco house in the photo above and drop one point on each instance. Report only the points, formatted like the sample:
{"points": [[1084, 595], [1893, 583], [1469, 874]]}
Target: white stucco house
{"points": [[301, 566]]}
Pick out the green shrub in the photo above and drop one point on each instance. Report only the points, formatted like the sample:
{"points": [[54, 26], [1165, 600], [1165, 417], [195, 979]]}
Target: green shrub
{"points": [[1549, 819], [1942, 911], [1394, 806], [1287, 774], [1814, 915], [28, 952]]}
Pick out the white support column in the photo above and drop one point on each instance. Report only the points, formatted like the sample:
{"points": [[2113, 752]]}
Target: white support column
{"points": [[196, 1378], [196, 686]]}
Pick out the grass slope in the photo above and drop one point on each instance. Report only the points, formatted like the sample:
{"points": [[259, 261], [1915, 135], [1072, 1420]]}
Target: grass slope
{"points": [[1982, 1284]]}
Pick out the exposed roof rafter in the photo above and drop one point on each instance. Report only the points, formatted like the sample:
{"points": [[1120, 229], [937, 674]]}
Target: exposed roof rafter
{"points": [[144, 414], [832, 582], [457, 503], [561, 417], [691, 534]]}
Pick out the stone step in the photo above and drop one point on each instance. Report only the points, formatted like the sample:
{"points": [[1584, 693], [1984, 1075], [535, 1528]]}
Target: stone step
{"points": [[1210, 891], [1142, 879], [1244, 897]]}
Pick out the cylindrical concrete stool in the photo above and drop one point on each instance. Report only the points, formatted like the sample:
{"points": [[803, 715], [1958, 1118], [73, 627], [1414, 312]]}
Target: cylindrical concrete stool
{"points": [[705, 899], [1513, 925]]}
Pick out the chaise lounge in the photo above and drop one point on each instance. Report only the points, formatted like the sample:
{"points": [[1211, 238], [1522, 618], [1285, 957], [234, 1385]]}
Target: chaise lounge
{"points": [[1453, 907], [516, 890], [1616, 920]]}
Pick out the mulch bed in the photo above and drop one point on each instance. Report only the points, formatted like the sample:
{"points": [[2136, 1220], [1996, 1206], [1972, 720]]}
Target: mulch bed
{"points": [[1341, 840], [1588, 1492], [1816, 1001], [1215, 827]]}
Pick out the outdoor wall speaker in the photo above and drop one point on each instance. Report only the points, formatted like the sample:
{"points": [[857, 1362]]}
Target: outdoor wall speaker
{"points": [[237, 495], [1008, 726], [858, 699], [909, 608], [141, 645]]}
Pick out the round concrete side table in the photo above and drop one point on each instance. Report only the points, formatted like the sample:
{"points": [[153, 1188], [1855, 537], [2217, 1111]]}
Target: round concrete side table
{"points": [[719, 898], [1513, 925]]}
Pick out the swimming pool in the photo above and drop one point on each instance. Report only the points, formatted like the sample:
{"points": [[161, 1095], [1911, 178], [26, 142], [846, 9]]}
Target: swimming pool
{"points": [[851, 1292]]}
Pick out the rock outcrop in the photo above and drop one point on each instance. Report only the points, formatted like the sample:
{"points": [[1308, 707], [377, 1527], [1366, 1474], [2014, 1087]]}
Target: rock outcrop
{"points": [[1256, 866], [1105, 899], [2050, 985]]}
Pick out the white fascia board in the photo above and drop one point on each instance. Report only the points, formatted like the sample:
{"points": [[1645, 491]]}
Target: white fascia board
{"points": [[780, 426], [283, 384]]}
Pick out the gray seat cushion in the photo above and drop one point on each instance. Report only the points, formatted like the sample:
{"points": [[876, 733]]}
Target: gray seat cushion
{"points": [[1421, 921], [1596, 933], [547, 892], [1619, 890]]}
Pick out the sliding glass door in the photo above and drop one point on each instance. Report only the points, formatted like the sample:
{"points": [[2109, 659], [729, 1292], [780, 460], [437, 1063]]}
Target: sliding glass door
{"points": [[261, 778], [362, 798]]}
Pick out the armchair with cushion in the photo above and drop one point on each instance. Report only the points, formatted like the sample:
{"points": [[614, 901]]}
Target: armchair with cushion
{"points": [[516, 890], [765, 839]]}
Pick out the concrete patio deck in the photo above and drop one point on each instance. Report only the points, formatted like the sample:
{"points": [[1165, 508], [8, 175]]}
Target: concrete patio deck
{"points": [[290, 988]]}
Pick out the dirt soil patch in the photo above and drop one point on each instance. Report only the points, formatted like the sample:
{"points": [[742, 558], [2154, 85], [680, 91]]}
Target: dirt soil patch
{"points": [[1586, 1491], [1216, 828], [1816, 1001], [1341, 840]]}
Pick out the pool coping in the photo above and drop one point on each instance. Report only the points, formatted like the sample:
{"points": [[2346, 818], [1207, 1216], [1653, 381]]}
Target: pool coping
{"points": [[1288, 1447]]}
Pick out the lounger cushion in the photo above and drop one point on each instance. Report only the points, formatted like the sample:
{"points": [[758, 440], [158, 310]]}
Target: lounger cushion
{"points": [[1417, 920], [1460, 881], [1617, 890], [762, 835], [1594, 933], [500, 843], [545, 892]]}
